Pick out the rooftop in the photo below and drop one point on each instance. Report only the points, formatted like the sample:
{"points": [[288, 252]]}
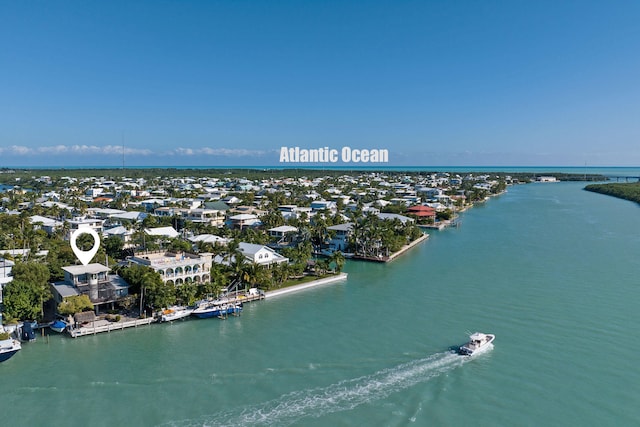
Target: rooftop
{"points": [[93, 268]]}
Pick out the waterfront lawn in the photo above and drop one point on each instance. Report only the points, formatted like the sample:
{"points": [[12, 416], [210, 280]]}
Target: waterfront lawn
{"points": [[301, 280]]}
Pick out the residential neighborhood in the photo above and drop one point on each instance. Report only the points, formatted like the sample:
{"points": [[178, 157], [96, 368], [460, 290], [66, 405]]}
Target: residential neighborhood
{"points": [[167, 240]]}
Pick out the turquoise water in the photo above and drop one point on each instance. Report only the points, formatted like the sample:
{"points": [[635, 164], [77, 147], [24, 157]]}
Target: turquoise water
{"points": [[551, 269]]}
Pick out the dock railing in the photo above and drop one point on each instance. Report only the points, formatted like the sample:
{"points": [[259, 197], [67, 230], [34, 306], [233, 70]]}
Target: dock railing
{"points": [[99, 326]]}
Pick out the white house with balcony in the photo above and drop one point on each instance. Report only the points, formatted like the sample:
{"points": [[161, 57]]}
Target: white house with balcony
{"points": [[177, 267], [6, 265], [258, 254], [261, 255]]}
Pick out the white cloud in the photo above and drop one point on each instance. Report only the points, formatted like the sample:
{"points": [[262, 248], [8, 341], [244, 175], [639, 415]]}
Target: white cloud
{"points": [[184, 151], [223, 152], [18, 150], [57, 149], [116, 150], [84, 149]]}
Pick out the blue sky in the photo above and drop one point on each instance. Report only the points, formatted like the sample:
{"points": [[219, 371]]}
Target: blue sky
{"points": [[437, 83]]}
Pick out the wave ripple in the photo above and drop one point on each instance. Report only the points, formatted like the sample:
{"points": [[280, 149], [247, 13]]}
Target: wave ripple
{"points": [[341, 396]]}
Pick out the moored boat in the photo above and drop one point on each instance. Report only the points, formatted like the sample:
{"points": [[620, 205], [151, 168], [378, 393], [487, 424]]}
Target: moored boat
{"points": [[58, 326], [208, 309], [26, 331], [175, 313], [478, 343], [8, 347]]}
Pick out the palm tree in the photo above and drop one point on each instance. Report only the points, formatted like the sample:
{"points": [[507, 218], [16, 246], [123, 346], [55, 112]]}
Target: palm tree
{"points": [[338, 259], [254, 274], [280, 273], [237, 269], [322, 265]]}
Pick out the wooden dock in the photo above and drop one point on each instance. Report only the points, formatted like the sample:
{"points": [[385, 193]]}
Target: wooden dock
{"points": [[99, 326], [236, 299]]}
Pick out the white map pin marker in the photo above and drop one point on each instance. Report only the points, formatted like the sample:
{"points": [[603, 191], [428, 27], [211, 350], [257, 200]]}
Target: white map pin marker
{"points": [[85, 256]]}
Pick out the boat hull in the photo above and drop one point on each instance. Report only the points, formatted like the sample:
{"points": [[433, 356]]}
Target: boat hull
{"points": [[217, 310], [207, 313], [58, 326], [8, 348], [175, 315], [474, 348]]}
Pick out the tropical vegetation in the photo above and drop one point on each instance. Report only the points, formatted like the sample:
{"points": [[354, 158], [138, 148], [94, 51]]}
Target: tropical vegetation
{"points": [[623, 190]]}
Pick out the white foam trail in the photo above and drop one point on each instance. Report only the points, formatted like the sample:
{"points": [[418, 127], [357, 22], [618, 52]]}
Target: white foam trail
{"points": [[342, 396]]}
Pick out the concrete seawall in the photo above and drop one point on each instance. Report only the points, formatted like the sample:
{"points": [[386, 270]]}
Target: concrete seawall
{"points": [[302, 286]]}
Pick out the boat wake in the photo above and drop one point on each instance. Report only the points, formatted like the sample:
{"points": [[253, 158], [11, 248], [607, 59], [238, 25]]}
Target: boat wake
{"points": [[342, 396]]}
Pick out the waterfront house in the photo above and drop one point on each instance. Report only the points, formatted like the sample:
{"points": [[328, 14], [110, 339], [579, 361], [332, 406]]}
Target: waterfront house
{"points": [[391, 216], [257, 254], [6, 265], [176, 267], [546, 179], [340, 239], [93, 280], [262, 255], [422, 212]]}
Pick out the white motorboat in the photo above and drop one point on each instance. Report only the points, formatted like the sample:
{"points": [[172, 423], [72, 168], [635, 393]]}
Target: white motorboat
{"points": [[478, 343], [175, 313], [8, 347]]}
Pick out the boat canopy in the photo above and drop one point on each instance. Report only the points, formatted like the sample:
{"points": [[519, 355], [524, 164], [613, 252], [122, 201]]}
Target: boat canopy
{"points": [[478, 336]]}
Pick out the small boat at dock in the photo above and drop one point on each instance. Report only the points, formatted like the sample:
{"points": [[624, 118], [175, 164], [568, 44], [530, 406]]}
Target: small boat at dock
{"points": [[58, 326], [27, 333], [216, 308], [207, 309], [478, 343], [9, 347], [175, 313]]}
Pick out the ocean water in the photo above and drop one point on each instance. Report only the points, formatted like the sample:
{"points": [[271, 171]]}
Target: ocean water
{"points": [[551, 269], [609, 171]]}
